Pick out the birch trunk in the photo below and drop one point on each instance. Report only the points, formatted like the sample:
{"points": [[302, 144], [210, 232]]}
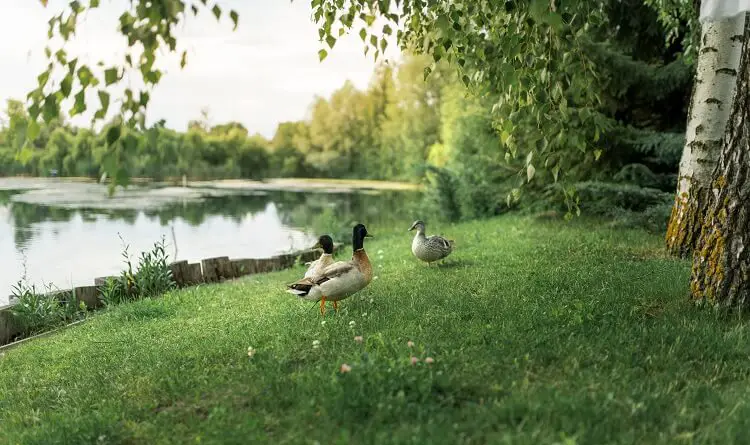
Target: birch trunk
{"points": [[710, 105], [721, 262]]}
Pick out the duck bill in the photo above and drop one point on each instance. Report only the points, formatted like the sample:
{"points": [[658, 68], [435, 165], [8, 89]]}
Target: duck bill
{"points": [[369, 236], [317, 246]]}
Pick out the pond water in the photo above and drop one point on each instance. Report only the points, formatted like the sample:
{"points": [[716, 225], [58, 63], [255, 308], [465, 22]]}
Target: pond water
{"points": [[65, 233]]}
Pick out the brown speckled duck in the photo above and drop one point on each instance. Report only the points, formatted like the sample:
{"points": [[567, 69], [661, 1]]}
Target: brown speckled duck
{"points": [[429, 248]]}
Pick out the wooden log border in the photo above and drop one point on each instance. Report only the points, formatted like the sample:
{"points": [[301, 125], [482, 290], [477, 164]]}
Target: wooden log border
{"points": [[184, 273]]}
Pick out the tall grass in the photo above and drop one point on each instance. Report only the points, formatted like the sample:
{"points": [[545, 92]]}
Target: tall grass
{"points": [[151, 277], [38, 311]]}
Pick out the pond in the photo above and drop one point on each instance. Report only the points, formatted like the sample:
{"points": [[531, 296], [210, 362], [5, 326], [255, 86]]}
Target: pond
{"points": [[61, 233]]}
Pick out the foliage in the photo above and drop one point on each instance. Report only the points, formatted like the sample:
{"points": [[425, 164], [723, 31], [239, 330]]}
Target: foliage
{"points": [[558, 330], [151, 278], [532, 57], [224, 151], [680, 18], [36, 311], [560, 93], [560, 78]]}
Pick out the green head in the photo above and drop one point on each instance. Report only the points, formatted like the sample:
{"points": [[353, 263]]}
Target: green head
{"points": [[326, 243], [359, 233]]}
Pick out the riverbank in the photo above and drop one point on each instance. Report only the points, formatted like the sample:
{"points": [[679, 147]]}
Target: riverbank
{"points": [[77, 193], [536, 333]]}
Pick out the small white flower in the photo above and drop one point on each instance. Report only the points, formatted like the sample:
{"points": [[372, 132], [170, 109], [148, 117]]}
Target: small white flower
{"points": [[352, 323], [410, 344], [380, 251], [323, 323], [345, 368], [316, 344], [375, 277], [364, 314], [414, 360], [250, 351], [358, 339], [429, 360], [372, 300]]}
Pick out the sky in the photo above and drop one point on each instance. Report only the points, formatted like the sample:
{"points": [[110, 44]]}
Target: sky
{"points": [[264, 73]]}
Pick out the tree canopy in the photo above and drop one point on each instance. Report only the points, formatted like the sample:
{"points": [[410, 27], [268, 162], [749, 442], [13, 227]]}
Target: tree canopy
{"points": [[569, 87]]}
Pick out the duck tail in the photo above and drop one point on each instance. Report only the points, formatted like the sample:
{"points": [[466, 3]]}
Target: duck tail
{"points": [[300, 287]]}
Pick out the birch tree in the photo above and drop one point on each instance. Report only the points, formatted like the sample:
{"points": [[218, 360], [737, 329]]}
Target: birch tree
{"points": [[714, 89], [721, 261]]}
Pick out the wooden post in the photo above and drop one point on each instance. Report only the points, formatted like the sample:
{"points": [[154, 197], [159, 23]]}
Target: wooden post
{"points": [[308, 255], [283, 261], [225, 268], [208, 266], [263, 265], [62, 296], [193, 274], [88, 294], [217, 269], [9, 329], [178, 269], [243, 267]]}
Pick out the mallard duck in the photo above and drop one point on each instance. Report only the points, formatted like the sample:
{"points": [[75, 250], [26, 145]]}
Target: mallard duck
{"points": [[339, 280], [429, 248], [326, 258]]}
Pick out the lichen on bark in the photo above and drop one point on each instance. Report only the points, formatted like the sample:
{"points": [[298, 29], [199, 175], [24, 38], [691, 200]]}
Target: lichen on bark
{"points": [[721, 261], [713, 92]]}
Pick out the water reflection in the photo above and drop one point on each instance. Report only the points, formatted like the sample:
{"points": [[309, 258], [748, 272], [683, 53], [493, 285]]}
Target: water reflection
{"points": [[70, 247]]}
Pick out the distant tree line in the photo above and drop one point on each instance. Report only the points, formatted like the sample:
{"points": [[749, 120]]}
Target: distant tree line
{"points": [[382, 132]]}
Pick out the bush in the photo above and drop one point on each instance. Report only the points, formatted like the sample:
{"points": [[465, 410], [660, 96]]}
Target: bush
{"points": [[151, 278], [37, 312]]}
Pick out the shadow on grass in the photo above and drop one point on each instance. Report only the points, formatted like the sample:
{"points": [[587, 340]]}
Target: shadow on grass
{"points": [[450, 264]]}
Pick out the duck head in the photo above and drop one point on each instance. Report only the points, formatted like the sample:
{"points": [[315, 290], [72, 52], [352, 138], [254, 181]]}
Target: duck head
{"points": [[326, 243], [418, 224], [359, 233]]}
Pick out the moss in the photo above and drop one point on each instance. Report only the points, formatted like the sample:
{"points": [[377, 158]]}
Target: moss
{"points": [[720, 182], [681, 231], [708, 269]]}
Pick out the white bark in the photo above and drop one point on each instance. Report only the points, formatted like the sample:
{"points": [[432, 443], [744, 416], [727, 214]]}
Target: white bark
{"points": [[715, 81], [722, 9]]}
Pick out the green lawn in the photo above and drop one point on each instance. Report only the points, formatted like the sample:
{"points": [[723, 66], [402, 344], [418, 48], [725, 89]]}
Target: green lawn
{"points": [[540, 333]]}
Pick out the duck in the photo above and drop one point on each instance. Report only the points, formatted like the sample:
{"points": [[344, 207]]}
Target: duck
{"points": [[338, 280], [429, 248], [325, 242]]}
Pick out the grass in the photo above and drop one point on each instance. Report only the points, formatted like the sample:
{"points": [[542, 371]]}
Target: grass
{"points": [[541, 333]]}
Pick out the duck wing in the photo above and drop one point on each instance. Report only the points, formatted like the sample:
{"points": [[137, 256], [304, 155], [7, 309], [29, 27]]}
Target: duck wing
{"points": [[335, 270], [439, 243]]}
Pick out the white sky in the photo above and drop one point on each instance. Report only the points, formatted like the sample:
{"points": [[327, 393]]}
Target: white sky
{"points": [[265, 72]]}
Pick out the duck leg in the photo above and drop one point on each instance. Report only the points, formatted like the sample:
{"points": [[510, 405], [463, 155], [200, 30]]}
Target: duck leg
{"points": [[336, 306], [323, 306]]}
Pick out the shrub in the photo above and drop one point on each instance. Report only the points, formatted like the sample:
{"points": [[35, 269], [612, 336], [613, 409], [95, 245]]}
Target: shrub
{"points": [[37, 312], [151, 278]]}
